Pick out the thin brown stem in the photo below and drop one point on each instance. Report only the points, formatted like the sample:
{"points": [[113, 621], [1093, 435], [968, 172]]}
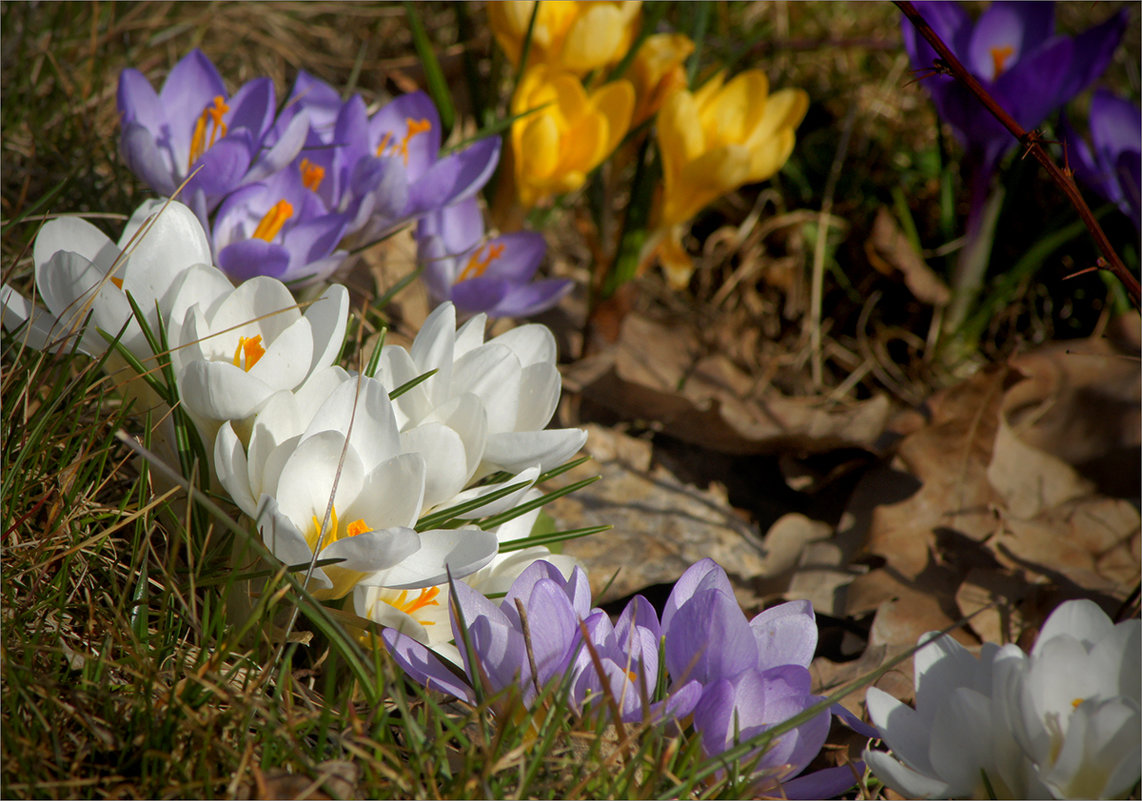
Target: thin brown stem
{"points": [[1032, 142]]}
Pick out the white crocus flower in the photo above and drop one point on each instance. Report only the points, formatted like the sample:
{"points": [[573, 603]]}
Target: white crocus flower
{"points": [[234, 350], [1074, 702], [1062, 723], [350, 453], [423, 615], [511, 379], [80, 272]]}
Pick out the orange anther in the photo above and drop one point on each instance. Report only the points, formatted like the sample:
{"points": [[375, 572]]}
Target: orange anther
{"points": [[273, 220], [477, 265]]}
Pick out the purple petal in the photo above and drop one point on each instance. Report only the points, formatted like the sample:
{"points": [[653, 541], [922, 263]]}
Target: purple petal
{"points": [[554, 629], [826, 783], [223, 165], [247, 258], [524, 301], [1092, 54], [520, 258], [1128, 169], [1115, 125], [320, 99], [252, 107], [1032, 89], [314, 239], [786, 634], [385, 182], [523, 585], [639, 614], [351, 132], [456, 177], [138, 102], [139, 151], [950, 22], [693, 579], [284, 151], [1005, 33], [709, 639], [459, 227], [191, 86], [393, 119], [423, 666], [479, 294]]}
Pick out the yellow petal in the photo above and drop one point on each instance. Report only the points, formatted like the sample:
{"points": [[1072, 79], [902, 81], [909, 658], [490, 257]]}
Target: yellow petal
{"points": [[729, 116], [615, 102], [784, 110], [585, 144], [571, 100], [705, 179], [680, 138], [657, 71], [594, 39], [709, 89], [766, 160], [539, 145], [675, 261]]}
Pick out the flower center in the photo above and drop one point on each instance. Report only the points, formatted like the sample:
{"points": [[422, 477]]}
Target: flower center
{"points": [[311, 175], [1075, 703], [426, 597], [273, 220], [248, 352], [1000, 57], [358, 526], [211, 116], [414, 127], [477, 264], [118, 282]]}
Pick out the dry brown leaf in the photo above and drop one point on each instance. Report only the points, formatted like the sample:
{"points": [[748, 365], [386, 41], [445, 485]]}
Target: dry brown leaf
{"points": [[662, 374], [888, 249]]}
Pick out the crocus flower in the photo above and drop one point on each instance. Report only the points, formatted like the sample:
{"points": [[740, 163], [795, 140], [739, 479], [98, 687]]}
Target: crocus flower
{"points": [[385, 170], [231, 349], [280, 228], [627, 654], [493, 276], [1062, 722], [495, 396], [575, 36], [657, 72], [505, 640], [193, 127], [342, 490], [1113, 165], [568, 133], [1012, 49], [712, 141], [424, 615], [79, 271]]}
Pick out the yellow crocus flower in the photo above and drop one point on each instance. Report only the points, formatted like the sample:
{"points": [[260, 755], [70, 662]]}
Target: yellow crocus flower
{"points": [[574, 36], [553, 149], [713, 141], [657, 71]]}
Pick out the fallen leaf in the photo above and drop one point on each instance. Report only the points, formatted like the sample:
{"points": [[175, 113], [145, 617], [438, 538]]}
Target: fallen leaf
{"points": [[889, 250]]}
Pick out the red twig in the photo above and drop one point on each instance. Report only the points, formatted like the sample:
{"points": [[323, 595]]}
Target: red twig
{"points": [[1031, 141]]}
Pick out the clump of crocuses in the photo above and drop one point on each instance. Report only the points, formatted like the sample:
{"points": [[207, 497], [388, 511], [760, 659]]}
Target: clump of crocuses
{"points": [[727, 677], [283, 193]]}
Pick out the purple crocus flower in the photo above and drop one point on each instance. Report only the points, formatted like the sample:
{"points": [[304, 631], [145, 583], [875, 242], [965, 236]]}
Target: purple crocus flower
{"points": [[279, 227], [385, 170], [506, 644], [1014, 52], [493, 276], [628, 658], [754, 673], [1114, 167], [194, 127]]}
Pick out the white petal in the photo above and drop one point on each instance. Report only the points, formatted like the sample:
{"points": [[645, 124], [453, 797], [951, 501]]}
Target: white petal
{"points": [[285, 364], [445, 460], [261, 305], [433, 350], [510, 501], [396, 369], [904, 780], [308, 478], [961, 741], [392, 494], [285, 542], [532, 343], [1083, 619], [16, 310], [373, 550], [470, 335], [233, 471], [906, 733], [327, 317], [491, 373], [75, 235], [221, 391], [540, 385], [458, 552], [514, 450]]}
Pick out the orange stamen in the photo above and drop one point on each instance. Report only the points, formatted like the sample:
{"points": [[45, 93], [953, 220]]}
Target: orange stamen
{"points": [[999, 57], [252, 349], [271, 224], [477, 265], [117, 282], [357, 527], [1075, 703], [414, 127], [198, 143], [311, 175]]}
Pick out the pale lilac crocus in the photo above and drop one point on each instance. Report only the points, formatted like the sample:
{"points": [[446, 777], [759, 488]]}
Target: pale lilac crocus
{"points": [[385, 170], [754, 673], [1112, 166], [194, 128], [627, 654], [478, 274], [280, 228], [536, 624]]}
